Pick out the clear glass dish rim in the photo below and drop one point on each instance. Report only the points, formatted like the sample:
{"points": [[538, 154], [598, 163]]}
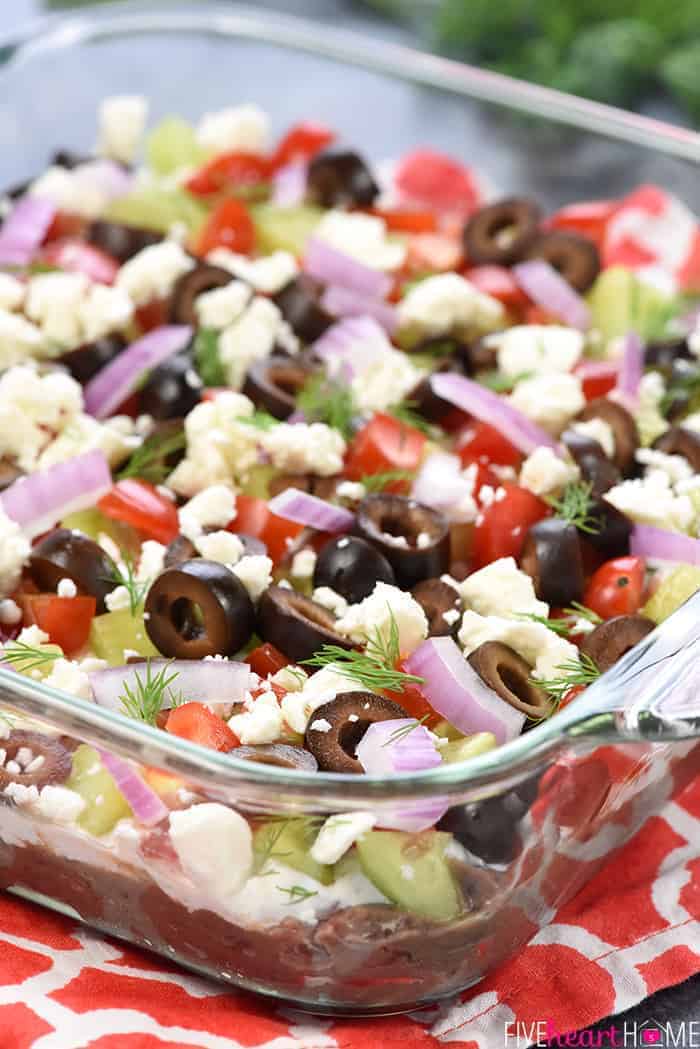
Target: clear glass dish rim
{"points": [[64, 30]]}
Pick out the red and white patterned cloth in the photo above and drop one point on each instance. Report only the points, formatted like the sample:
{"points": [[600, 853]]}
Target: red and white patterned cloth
{"points": [[634, 929]]}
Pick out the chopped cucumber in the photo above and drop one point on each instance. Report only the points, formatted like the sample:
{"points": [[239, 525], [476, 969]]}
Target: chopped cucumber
{"points": [[411, 870], [158, 208], [288, 841], [32, 667], [113, 632], [464, 749], [672, 592], [257, 481], [620, 302], [93, 523], [173, 145], [105, 805], [447, 731], [284, 229]]}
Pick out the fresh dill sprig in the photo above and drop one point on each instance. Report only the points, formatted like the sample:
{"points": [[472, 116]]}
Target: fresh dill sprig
{"points": [[378, 482], [26, 657], [149, 460], [500, 383], [261, 420], [297, 893], [265, 844], [135, 587], [559, 626], [405, 730], [324, 401], [574, 672], [405, 412], [575, 505], [565, 624], [582, 612], [144, 700], [206, 357]]}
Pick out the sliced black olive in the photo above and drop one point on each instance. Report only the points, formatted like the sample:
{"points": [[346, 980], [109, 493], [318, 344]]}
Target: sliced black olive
{"points": [[500, 233], [252, 546], [613, 638], [481, 355], [575, 258], [87, 360], [338, 178], [280, 754], [274, 384], [69, 159], [178, 550], [438, 599], [65, 554], [55, 767], [8, 474], [198, 608], [295, 624], [203, 277], [299, 304], [678, 440], [552, 557], [414, 538], [120, 241], [352, 567], [622, 424], [611, 533], [350, 714], [596, 469], [424, 399], [489, 828], [509, 675], [323, 487], [662, 354], [172, 389]]}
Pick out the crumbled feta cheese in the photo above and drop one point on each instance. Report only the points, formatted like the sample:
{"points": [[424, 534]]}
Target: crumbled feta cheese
{"points": [[501, 589], [651, 500], [351, 490], [451, 616], [448, 304], [551, 401], [243, 127], [104, 310], [14, 552], [214, 845], [118, 600], [650, 421], [68, 676], [291, 678], [33, 636], [19, 340], [77, 191], [676, 466], [261, 724], [83, 434], [544, 473], [537, 644], [321, 725], [10, 612], [305, 448], [255, 572], [597, 430], [122, 122], [53, 302], [334, 602], [268, 274], [537, 348], [220, 447], [222, 306], [384, 381], [339, 833], [362, 237], [12, 292], [375, 616], [152, 273], [320, 688], [214, 506], [221, 546], [66, 588], [250, 338], [151, 560], [59, 804], [303, 563], [19, 793]]}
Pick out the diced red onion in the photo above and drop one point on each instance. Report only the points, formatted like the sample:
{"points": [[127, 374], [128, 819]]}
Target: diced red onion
{"points": [[36, 502], [441, 484], [110, 178], [399, 745], [344, 302], [631, 367], [548, 289], [305, 509], [147, 807], [648, 541], [289, 184], [113, 383], [487, 406], [351, 345], [415, 816], [24, 229], [457, 692], [331, 266], [210, 681]]}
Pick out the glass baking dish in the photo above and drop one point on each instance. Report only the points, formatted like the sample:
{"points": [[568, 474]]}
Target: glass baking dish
{"points": [[526, 825]]}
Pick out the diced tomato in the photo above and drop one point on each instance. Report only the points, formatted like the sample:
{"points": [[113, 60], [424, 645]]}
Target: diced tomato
{"points": [[571, 695], [65, 619], [438, 181], [407, 220], [229, 226], [76, 256], [383, 444], [153, 315], [197, 723], [616, 588], [302, 142], [415, 704], [537, 315], [499, 283], [590, 219], [502, 527], [266, 659], [138, 504], [480, 442], [253, 517], [227, 171], [65, 224], [434, 252], [597, 377]]}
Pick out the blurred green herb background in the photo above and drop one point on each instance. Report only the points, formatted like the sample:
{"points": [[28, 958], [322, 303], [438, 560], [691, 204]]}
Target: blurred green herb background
{"points": [[617, 51]]}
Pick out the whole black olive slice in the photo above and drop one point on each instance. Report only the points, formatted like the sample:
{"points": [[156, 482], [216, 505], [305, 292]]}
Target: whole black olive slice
{"points": [[87, 360], [552, 557], [69, 159], [501, 232], [350, 714], [273, 384], [280, 483], [352, 567], [600, 473], [489, 828], [252, 546], [338, 178], [678, 440], [414, 538], [576, 258], [613, 638], [299, 304], [622, 424], [662, 354], [198, 608], [283, 755], [28, 747], [424, 399], [611, 534], [438, 599], [203, 277], [65, 554], [295, 624], [509, 675], [172, 389], [178, 550], [120, 241]]}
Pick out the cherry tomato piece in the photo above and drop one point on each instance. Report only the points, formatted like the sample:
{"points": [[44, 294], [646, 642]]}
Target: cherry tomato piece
{"points": [[302, 142], [414, 702], [502, 527], [407, 220], [153, 314], [616, 588], [197, 723], [227, 171], [229, 226], [438, 181], [253, 517], [76, 256], [138, 504], [589, 219], [597, 377], [499, 283], [266, 659], [480, 442], [65, 224], [65, 619], [384, 443]]}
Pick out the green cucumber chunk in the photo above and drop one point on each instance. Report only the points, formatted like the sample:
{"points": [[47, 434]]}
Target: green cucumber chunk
{"points": [[620, 302], [284, 229], [412, 870], [675, 589], [289, 841], [173, 145], [93, 523], [467, 748], [158, 208], [105, 805], [113, 632]]}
